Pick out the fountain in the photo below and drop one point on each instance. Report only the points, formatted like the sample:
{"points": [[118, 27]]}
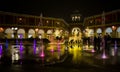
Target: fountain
{"points": [[114, 50], [21, 47], [104, 56], [17, 51], [42, 54]]}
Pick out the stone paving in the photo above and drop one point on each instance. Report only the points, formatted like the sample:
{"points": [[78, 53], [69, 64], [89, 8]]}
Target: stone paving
{"points": [[86, 62]]}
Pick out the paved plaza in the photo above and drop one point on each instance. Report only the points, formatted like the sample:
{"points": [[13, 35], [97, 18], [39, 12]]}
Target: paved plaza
{"points": [[81, 62]]}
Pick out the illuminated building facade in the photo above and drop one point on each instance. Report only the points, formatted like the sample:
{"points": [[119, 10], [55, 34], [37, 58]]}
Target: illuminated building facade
{"points": [[76, 21], [14, 25], [106, 22]]}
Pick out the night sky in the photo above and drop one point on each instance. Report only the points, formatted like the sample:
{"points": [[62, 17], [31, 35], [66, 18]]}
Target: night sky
{"points": [[59, 8]]}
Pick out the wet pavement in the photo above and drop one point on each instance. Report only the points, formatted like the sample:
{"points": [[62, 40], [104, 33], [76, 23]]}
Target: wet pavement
{"points": [[84, 61], [59, 58]]}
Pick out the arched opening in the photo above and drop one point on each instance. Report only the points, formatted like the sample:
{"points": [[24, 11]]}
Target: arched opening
{"points": [[49, 33], [91, 32], [21, 33], [76, 35], [99, 31], [31, 33], [118, 32], [108, 30], [76, 31], [40, 33], [9, 33]]}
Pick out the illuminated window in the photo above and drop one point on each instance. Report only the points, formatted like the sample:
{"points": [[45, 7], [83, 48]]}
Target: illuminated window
{"points": [[58, 23], [20, 19], [78, 17], [47, 21]]}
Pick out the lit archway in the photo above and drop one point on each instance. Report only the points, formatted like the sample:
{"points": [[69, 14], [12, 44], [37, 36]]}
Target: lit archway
{"points": [[91, 32], [41, 33], [9, 32], [118, 30], [21, 33], [57, 33], [108, 30], [76, 31], [31, 33], [99, 30], [76, 34], [49, 33]]}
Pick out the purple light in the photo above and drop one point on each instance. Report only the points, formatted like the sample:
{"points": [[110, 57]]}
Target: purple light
{"points": [[21, 49], [115, 45], [34, 46], [0, 51]]}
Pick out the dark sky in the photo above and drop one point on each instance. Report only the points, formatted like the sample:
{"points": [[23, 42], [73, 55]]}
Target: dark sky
{"points": [[59, 8]]}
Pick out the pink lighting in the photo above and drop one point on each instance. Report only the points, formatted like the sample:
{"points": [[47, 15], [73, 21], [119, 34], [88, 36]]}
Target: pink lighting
{"points": [[52, 50], [58, 46], [42, 54], [104, 55], [93, 50]]}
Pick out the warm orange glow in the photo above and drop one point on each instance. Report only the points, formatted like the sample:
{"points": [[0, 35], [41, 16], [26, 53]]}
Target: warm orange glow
{"points": [[113, 27], [20, 19], [36, 29], [1, 29]]}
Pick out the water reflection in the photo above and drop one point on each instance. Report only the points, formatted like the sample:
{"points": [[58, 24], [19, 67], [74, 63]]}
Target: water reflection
{"points": [[43, 54], [56, 52], [77, 53], [1, 51]]}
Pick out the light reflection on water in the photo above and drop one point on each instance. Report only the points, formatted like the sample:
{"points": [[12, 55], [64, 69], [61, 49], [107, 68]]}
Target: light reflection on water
{"points": [[93, 58], [51, 53], [77, 54], [56, 52]]}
